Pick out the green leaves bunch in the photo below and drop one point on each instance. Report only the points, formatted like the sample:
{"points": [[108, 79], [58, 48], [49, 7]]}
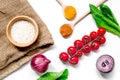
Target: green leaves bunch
{"points": [[105, 18]]}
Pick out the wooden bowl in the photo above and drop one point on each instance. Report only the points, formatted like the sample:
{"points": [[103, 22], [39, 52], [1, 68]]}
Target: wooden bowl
{"points": [[21, 18]]}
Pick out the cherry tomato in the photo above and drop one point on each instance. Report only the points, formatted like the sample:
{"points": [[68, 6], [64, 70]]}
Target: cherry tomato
{"points": [[101, 31], [71, 50], [74, 60], [79, 53], [95, 46], [93, 35], [86, 39], [64, 56], [86, 49], [101, 40], [78, 44]]}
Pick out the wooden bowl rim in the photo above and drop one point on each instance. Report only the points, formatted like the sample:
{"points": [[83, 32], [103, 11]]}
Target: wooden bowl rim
{"points": [[19, 18]]}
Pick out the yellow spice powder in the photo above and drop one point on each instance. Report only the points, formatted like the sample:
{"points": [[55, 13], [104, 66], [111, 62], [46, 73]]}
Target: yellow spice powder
{"points": [[70, 12], [66, 30]]}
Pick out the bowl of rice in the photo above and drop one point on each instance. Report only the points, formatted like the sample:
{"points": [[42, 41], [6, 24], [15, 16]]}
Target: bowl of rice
{"points": [[22, 31]]}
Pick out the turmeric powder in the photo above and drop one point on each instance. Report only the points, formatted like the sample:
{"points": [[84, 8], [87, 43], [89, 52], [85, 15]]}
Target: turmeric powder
{"points": [[69, 12], [66, 30]]}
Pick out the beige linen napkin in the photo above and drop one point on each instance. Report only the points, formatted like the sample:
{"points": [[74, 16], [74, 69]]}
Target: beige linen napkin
{"points": [[11, 57]]}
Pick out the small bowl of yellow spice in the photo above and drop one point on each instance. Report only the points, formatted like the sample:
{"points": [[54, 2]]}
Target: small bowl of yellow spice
{"points": [[68, 10], [22, 31]]}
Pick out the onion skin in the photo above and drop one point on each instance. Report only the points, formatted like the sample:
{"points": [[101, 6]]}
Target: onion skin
{"points": [[40, 63]]}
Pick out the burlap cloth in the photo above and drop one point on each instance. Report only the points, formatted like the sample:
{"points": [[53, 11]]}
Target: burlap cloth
{"points": [[11, 57]]}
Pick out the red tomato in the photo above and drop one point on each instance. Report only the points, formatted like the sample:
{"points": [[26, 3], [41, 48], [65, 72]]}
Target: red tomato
{"points": [[71, 50], [101, 31], [64, 56], [74, 60]]}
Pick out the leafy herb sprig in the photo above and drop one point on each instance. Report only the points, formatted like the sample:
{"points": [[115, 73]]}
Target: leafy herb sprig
{"points": [[105, 18], [63, 75]]}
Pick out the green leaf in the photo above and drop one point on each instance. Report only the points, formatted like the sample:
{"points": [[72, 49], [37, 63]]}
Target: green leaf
{"points": [[63, 75], [48, 76], [106, 11], [94, 9], [102, 21]]}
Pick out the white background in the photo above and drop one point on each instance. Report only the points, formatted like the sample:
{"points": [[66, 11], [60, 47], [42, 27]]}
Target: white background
{"points": [[51, 13]]}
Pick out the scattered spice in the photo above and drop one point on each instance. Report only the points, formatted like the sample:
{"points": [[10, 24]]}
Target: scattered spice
{"points": [[70, 12], [66, 30], [22, 32]]}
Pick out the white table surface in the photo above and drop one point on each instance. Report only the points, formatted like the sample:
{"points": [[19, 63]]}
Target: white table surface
{"points": [[51, 13]]}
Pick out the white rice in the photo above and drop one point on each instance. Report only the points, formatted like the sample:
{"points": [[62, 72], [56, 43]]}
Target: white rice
{"points": [[22, 32]]}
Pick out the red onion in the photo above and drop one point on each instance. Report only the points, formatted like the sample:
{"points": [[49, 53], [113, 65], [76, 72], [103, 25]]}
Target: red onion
{"points": [[40, 63]]}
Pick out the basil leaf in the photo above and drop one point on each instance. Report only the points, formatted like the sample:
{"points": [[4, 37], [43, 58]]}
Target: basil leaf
{"points": [[106, 11], [63, 75], [49, 76], [102, 21]]}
